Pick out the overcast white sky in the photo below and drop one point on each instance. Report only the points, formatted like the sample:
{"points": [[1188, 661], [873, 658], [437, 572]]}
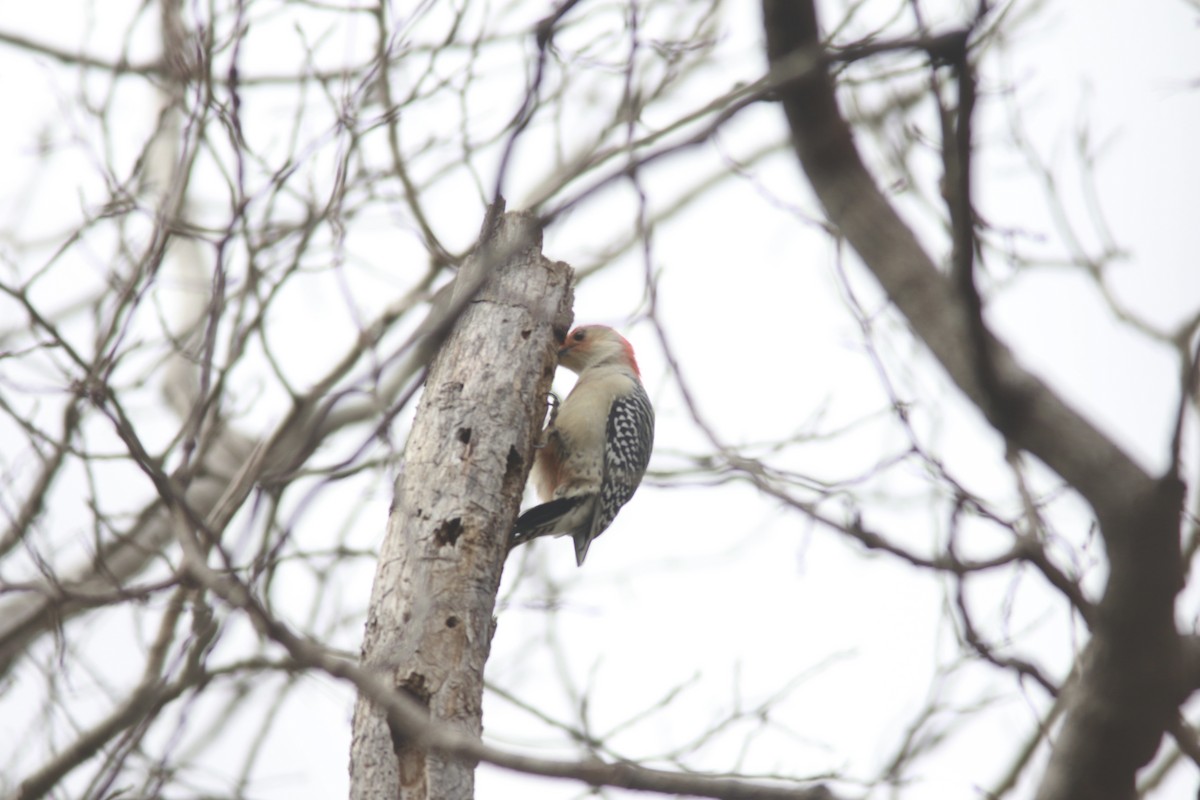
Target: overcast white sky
{"points": [[717, 588]]}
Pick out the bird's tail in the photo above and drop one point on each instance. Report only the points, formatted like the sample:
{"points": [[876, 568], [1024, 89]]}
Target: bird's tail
{"points": [[539, 520]]}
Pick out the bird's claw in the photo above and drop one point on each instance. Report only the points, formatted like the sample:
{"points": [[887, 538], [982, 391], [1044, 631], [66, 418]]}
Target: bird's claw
{"points": [[553, 403]]}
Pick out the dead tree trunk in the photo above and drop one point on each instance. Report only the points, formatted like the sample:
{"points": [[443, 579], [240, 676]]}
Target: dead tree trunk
{"points": [[430, 624]]}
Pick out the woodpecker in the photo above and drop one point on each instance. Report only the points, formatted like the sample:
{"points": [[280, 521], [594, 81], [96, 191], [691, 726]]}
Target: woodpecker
{"points": [[595, 447]]}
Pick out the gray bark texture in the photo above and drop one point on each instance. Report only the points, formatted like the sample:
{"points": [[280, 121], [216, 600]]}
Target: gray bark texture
{"points": [[1131, 679], [430, 624]]}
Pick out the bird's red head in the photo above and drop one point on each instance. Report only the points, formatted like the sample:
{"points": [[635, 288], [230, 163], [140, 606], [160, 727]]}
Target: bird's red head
{"points": [[590, 345]]}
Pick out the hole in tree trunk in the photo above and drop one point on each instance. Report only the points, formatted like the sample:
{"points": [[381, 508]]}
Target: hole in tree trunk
{"points": [[448, 532]]}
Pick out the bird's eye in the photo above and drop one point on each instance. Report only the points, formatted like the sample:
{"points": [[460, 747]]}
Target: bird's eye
{"points": [[579, 336]]}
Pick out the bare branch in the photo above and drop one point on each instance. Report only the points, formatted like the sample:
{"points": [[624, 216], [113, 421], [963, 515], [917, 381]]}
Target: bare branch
{"points": [[1122, 703]]}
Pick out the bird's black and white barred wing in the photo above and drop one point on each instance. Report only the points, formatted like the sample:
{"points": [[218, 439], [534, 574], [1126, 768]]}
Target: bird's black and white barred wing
{"points": [[628, 442]]}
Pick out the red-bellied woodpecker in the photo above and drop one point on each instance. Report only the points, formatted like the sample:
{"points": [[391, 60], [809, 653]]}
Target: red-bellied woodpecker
{"points": [[596, 447]]}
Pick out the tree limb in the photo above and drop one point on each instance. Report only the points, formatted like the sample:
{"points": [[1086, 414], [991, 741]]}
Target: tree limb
{"points": [[1130, 678]]}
